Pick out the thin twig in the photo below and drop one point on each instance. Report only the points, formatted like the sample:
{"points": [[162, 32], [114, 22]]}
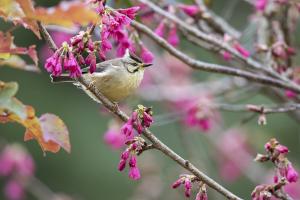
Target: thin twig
{"points": [[217, 22], [149, 135], [217, 42], [196, 64]]}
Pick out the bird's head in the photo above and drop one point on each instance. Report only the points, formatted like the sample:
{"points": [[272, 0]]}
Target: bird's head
{"points": [[133, 63]]}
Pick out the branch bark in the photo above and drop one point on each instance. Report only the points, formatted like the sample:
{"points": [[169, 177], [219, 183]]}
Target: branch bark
{"points": [[199, 65]]}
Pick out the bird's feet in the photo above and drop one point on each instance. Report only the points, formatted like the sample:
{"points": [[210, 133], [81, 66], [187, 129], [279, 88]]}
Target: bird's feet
{"points": [[116, 107], [91, 84]]}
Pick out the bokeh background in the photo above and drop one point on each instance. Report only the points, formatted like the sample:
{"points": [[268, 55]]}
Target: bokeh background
{"points": [[90, 171]]}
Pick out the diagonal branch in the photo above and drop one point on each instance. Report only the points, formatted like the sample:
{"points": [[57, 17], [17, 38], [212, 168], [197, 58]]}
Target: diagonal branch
{"points": [[196, 64], [147, 133], [251, 63]]}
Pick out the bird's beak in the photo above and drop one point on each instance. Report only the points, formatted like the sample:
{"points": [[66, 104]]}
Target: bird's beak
{"points": [[147, 64]]}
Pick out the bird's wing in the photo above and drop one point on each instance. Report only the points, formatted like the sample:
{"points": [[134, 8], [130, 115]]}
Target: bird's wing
{"points": [[101, 67]]}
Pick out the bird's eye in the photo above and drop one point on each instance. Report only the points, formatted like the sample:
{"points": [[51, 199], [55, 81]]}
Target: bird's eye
{"points": [[134, 64]]}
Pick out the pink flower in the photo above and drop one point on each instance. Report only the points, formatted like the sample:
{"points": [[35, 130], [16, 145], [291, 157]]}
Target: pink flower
{"points": [[292, 174], [290, 94], [14, 190], [15, 159], [160, 30], [123, 160], [282, 149], [127, 129], [134, 172], [53, 65], [91, 62], [260, 5], [193, 119], [129, 12], [201, 196], [114, 139], [244, 52], [173, 37], [146, 55], [190, 10], [147, 119], [74, 71], [226, 55]]}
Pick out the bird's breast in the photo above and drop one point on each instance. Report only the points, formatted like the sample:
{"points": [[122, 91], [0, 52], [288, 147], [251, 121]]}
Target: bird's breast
{"points": [[117, 86]]}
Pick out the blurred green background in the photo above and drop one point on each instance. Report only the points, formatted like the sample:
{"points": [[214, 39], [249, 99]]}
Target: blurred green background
{"points": [[90, 171]]}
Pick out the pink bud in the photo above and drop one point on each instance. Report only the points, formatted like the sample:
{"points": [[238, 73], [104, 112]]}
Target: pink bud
{"points": [[160, 30], [282, 149], [146, 55], [127, 129], [147, 119], [290, 94], [173, 37], [134, 173], [91, 61], [125, 154], [132, 161], [292, 174], [122, 165], [129, 12], [177, 183], [226, 55], [187, 187], [260, 5], [190, 10], [14, 190], [241, 50]]}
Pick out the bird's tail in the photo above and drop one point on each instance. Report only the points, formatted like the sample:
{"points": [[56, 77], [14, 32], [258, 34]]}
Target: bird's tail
{"points": [[61, 79]]}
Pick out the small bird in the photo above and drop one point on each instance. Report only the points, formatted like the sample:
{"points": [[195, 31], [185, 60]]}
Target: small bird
{"points": [[116, 79]]}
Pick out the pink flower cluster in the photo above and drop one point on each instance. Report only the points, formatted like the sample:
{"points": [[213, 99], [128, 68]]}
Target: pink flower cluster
{"points": [[69, 58], [284, 168], [285, 172], [172, 36], [186, 181], [135, 146], [200, 114], [113, 26], [16, 164], [141, 117]]}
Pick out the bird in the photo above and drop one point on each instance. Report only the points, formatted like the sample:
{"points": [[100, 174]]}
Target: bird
{"points": [[116, 79]]}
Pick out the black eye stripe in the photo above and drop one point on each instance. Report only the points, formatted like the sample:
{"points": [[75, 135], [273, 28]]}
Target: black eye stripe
{"points": [[135, 58]]}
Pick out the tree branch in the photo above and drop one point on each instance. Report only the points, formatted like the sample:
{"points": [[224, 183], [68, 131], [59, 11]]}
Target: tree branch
{"points": [[212, 40], [149, 135], [196, 64]]}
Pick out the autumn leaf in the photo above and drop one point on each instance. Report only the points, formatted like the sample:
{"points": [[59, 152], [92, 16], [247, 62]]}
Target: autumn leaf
{"points": [[17, 11], [8, 50], [49, 130], [65, 14], [55, 130]]}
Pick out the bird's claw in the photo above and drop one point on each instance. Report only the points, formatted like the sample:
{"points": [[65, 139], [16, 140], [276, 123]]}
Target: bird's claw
{"points": [[91, 84]]}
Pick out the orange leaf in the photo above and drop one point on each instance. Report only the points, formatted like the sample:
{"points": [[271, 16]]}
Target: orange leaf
{"points": [[8, 48], [67, 14], [16, 11], [55, 130]]}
